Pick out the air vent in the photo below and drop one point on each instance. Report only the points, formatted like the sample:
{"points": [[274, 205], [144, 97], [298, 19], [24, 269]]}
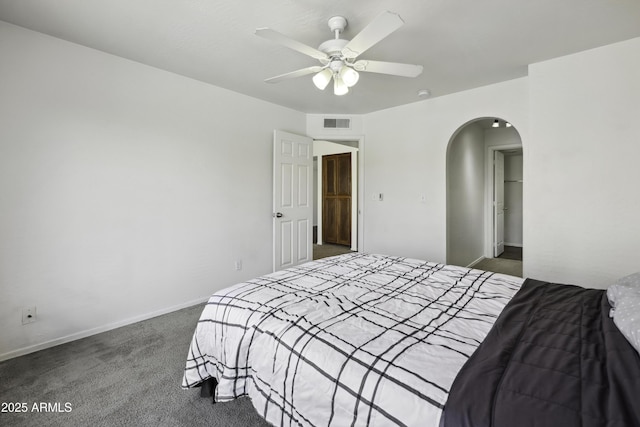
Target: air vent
{"points": [[337, 123]]}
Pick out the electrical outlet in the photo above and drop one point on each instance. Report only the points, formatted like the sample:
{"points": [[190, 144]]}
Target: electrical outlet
{"points": [[238, 265], [28, 315]]}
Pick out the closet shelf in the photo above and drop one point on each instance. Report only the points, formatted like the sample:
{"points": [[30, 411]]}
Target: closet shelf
{"points": [[512, 180]]}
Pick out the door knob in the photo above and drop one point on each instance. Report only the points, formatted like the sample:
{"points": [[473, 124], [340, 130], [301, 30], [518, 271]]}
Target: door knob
{"points": [[278, 215]]}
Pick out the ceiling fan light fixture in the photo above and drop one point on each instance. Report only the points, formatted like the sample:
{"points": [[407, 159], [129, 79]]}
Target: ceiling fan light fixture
{"points": [[339, 86], [495, 124], [349, 76], [322, 78]]}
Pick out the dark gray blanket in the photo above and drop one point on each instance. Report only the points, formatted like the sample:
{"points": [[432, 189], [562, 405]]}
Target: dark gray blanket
{"points": [[553, 358]]}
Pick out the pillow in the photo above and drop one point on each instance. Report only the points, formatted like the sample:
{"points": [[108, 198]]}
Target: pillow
{"points": [[624, 297]]}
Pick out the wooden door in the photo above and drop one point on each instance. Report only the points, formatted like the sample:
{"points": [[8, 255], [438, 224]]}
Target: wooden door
{"points": [[336, 199]]}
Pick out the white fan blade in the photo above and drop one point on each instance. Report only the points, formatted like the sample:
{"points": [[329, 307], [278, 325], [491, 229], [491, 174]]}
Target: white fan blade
{"points": [[385, 24], [277, 37], [294, 74], [393, 68]]}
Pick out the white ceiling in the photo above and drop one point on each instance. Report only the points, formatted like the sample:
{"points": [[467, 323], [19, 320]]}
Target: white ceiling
{"points": [[462, 44]]}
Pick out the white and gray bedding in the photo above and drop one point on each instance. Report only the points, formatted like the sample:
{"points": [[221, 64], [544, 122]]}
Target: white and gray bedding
{"points": [[354, 340]]}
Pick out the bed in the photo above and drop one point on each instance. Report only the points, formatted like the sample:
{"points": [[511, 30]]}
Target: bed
{"points": [[375, 340]]}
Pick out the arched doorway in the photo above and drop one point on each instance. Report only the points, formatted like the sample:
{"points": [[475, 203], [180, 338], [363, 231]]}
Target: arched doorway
{"points": [[473, 216]]}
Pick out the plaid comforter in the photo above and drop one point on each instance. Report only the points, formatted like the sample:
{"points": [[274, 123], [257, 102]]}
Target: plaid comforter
{"points": [[356, 340]]}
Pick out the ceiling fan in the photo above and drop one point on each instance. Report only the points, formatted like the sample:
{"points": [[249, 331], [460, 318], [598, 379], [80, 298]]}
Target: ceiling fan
{"points": [[338, 57]]}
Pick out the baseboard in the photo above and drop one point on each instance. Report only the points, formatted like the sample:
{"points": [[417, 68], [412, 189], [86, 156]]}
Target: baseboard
{"points": [[515, 245], [475, 262], [98, 330]]}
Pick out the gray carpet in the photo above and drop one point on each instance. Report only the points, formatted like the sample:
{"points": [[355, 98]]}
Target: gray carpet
{"points": [[501, 265], [126, 377], [328, 249], [512, 252]]}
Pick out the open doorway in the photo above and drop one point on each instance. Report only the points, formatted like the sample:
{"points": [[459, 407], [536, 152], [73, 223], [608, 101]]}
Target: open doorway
{"points": [[336, 191], [507, 188], [481, 226]]}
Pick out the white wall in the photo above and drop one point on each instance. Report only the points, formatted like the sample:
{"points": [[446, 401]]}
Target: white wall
{"points": [[125, 191], [577, 119], [582, 213], [465, 196], [406, 161]]}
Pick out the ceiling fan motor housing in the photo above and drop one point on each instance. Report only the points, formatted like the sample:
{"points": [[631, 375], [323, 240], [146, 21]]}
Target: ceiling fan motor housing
{"points": [[333, 47], [337, 23]]}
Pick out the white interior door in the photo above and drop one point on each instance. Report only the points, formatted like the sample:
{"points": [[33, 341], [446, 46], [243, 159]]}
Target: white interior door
{"points": [[292, 199], [498, 203]]}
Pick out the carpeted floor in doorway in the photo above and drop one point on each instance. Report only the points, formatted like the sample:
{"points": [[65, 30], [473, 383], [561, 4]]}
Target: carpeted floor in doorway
{"points": [[501, 265], [328, 249]]}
